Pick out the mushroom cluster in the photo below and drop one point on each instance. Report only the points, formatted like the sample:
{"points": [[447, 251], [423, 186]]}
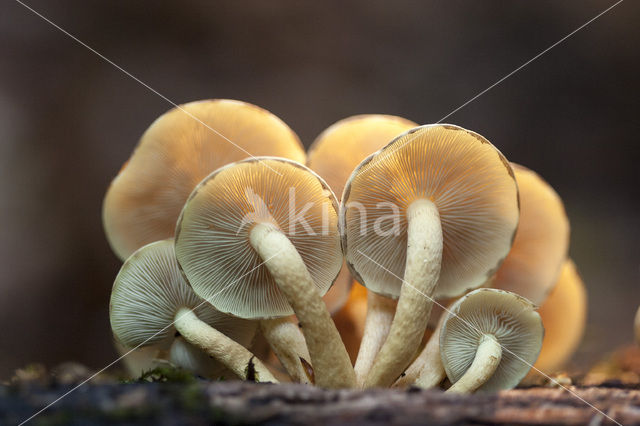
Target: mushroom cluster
{"points": [[232, 238]]}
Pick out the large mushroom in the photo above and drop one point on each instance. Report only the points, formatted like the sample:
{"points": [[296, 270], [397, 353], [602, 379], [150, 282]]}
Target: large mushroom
{"points": [[437, 206], [541, 243], [333, 155], [489, 340], [564, 314], [152, 304], [176, 152], [259, 239]]}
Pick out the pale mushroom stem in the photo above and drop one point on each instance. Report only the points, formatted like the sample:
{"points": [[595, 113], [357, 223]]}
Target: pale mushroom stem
{"points": [[427, 370], [231, 354], [329, 356], [487, 359], [288, 344], [380, 312], [422, 270]]}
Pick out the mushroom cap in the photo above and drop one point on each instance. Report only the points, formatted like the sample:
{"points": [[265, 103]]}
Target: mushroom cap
{"points": [[176, 152], [188, 356], [541, 243], [343, 145], [564, 315], [147, 294], [514, 322], [213, 233], [467, 178]]}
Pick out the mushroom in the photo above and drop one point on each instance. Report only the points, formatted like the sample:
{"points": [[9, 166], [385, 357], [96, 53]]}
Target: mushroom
{"points": [[541, 243], [489, 340], [259, 239], [564, 315], [175, 153], [439, 205], [333, 155], [152, 304], [139, 360]]}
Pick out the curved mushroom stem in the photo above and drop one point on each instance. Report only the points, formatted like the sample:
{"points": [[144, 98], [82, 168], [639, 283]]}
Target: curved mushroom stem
{"points": [[487, 359], [288, 344], [328, 354], [422, 270], [380, 312], [427, 370], [233, 355]]}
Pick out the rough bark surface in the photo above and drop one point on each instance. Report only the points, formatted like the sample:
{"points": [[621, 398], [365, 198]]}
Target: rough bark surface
{"points": [[201, 402]]}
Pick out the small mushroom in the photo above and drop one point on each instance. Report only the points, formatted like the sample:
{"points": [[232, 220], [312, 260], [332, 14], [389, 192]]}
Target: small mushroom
{"points": [[334, 154], [139, 360], [564, 314], [439, 206], [152, 304], [541, 243], [489, 340], [259, 239], [176, 152]]}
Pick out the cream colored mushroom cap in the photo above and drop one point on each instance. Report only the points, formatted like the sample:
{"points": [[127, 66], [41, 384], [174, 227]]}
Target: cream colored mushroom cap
{"points": [[176, 152], [147, 294], [513, 321], [564, 314], [343, 145], [467, 178], [541, 243], [212, 236]]}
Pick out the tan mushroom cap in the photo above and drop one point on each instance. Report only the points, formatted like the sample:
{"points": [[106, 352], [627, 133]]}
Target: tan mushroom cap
{"points": [[507, 316], [212, 235], [467, 178], [176, 152], [343, 145], [147, 294], [541, 243], [564, 315]]}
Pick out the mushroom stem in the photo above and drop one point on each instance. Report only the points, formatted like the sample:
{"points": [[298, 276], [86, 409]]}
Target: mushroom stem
{"points": [[422, 270], [233, 355], [288, 344], [380, 312], [427, 370], [487, 359], [329, 356]]}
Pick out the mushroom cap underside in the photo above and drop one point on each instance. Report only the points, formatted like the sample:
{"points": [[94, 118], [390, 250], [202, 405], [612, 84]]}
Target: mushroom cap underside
{"points": [[472, 186], [510, 318], [213, 233]]}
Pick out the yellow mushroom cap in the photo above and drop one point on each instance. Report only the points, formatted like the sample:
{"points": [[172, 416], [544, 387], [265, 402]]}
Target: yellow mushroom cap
{"points": [[541, 243], [213, 233], [176, 152], [464, 175], [343, 145], [148, 292], [564, 315], [510, 318]]}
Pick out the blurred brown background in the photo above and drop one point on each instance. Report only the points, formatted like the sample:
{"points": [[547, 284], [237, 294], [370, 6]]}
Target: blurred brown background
{"points": [[68, 120]]}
